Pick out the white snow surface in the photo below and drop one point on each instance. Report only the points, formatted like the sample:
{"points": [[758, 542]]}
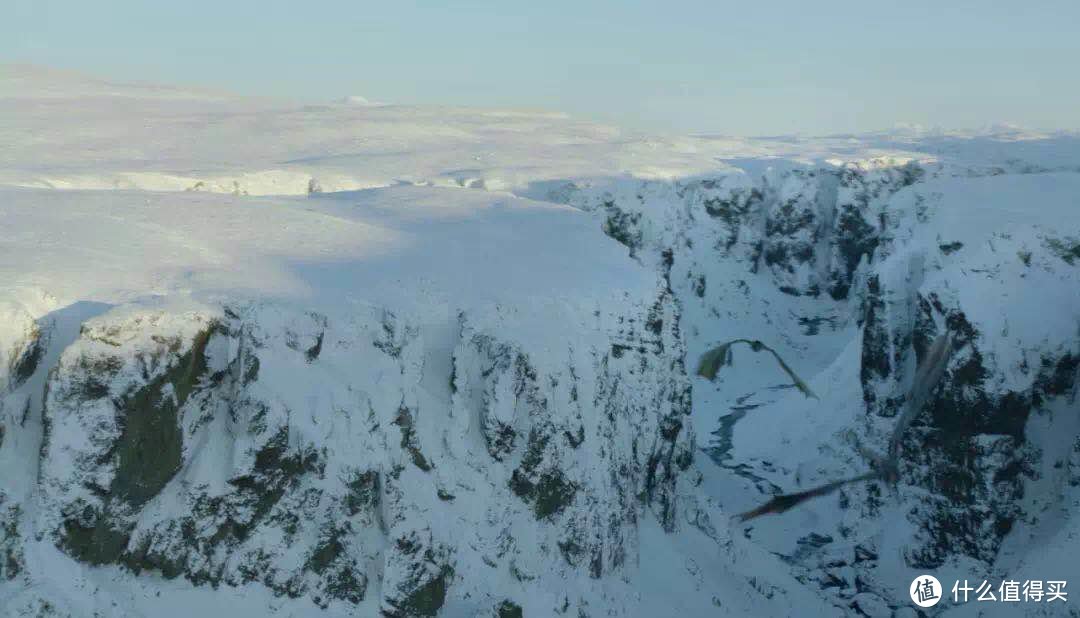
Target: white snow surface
{"points": [[132, 214]]}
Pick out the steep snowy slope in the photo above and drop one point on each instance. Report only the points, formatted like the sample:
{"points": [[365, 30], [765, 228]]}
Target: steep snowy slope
{"points": [[409, 401], [400, 400], [848, 274], [263, 358]]}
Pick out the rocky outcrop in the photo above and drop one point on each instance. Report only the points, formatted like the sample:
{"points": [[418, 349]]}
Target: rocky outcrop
{"points": [[845, 238], [325, 456], [809, 227]]}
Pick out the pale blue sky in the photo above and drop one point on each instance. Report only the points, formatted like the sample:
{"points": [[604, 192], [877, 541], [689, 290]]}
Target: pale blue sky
{"points": [[745, 68]]}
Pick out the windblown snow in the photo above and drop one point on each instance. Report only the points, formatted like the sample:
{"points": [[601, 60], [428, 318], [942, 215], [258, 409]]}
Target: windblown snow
{"points": [[267, 358]]}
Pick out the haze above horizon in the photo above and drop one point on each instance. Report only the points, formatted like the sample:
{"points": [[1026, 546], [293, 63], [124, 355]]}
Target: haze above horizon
{"points": [[703, 67]]}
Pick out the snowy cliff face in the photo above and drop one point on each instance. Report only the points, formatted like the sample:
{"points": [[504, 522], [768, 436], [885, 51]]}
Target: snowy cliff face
{"points": [[388, 435], [341, 459], [850, 272], [408, 362], [357, 461], [464, 452]]}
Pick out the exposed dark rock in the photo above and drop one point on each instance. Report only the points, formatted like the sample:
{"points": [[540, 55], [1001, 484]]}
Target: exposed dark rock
{"points": [[147, 454], [547, 490], [623, 227], [509, 609], [409, 441], [27, 360], [363, 494], [951, 247]]}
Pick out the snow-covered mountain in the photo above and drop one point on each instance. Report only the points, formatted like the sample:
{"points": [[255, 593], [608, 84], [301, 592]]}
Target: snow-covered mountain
{"points": [[282, 359]]}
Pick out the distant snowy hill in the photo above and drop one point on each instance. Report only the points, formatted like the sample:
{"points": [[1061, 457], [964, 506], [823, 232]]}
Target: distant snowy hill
{"points": [[262, 358]]}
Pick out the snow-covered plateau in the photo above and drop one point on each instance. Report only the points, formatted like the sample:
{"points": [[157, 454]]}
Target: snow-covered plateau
{"points": [[271, 358]]}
